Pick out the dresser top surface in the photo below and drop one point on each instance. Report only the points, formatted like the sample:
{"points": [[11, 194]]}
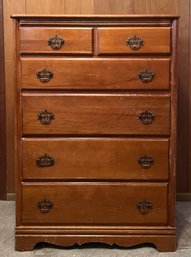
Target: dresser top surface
{"points": [[93, 16]]}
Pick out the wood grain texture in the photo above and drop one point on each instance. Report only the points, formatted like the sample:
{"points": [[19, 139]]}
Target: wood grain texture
{"points": [[189, 145], [96, 73], [79, 6], [95, 158], [114, 40], [10, 7], [108, 115], [124, 7], [107, 7], [163, 6], [76, 40], [45, 6], [101, 203], [94, 114], [3, 173], [163, 243], [183, 99]]}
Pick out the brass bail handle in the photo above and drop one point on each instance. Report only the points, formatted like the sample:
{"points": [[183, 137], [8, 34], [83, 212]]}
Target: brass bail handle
{"points": [[135, 42], [56, 42]]}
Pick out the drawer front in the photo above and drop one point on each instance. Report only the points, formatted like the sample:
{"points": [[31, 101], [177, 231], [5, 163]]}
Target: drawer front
{"points": [[134, 40], [94, 204], [73, 73], [95, 114], [95, 158], [56, 40]]}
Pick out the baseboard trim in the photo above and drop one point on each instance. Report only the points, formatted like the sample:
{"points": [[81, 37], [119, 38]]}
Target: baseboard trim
{"points": [[183, 196], [10, 197], [179, 196]]}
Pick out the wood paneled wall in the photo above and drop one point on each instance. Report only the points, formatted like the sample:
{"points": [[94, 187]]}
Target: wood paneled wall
{"points": [[180, 7], [3, 178]]}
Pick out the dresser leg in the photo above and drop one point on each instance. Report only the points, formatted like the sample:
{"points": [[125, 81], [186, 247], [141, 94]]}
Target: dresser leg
{"points": [[166, 244], [25, 243]]}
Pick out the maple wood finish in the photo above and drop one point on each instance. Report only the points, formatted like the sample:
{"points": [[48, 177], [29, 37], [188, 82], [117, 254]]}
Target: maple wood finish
{"points": [[96, 135], [114, 40], [116, 158], [75, 40], [96, 73], [89, 113], [101, 204]]}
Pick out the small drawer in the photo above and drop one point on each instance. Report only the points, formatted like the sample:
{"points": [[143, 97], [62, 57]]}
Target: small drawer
{"points": [[56, 40], [95, 158], [146, 40], [94, 203], [96, 73], [83, 113]]}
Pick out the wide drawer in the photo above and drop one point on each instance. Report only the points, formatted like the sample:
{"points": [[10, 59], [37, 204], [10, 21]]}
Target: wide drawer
{"points": [[94, 203], [95, 158], [56, 40], [134, 40], [74, 113], [95, 73]]}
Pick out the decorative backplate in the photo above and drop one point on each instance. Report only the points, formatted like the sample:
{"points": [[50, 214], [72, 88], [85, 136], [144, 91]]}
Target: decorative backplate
{"points": [[144, 206], [146, 75], [45, 161], [146, 117], [44, 75], [145, 161], [45, 117], [56, 42], [44, 205], [135, 42]]}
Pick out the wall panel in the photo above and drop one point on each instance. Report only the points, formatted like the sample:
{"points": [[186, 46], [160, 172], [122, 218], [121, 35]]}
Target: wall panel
{"points": [[45, 6], [189, 139], [3, 175], [163, 6], [10, 7], [109, 7], [125, 6], [79, 6], [183, 98]]}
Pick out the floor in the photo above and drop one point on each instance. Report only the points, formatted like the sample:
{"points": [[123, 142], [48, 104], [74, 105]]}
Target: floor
{"points": [[7, 220]]}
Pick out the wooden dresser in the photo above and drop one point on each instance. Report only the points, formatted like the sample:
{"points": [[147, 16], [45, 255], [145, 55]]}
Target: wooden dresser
{"points": [[96, 130]]}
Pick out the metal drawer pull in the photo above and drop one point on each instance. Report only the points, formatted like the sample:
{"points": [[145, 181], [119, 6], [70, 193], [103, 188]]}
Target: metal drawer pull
{"points": [[146, 76], [145, 161], [45, 117], [45, 205], [45, 161], [144, 206], [56, 42], [135, 42], [44, 75], [146, 117]]}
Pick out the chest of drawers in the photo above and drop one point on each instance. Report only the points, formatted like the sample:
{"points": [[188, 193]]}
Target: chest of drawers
{"points": [[96, 130]]}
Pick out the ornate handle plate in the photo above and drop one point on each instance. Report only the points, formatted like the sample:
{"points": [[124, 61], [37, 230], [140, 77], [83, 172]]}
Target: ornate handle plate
{"points": [[135, 42], [144, 206], [45, 161], [145, 161], [44, 75], [45, 117], [146, 117], [56, 42], [146, 75], [45, 205]]}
